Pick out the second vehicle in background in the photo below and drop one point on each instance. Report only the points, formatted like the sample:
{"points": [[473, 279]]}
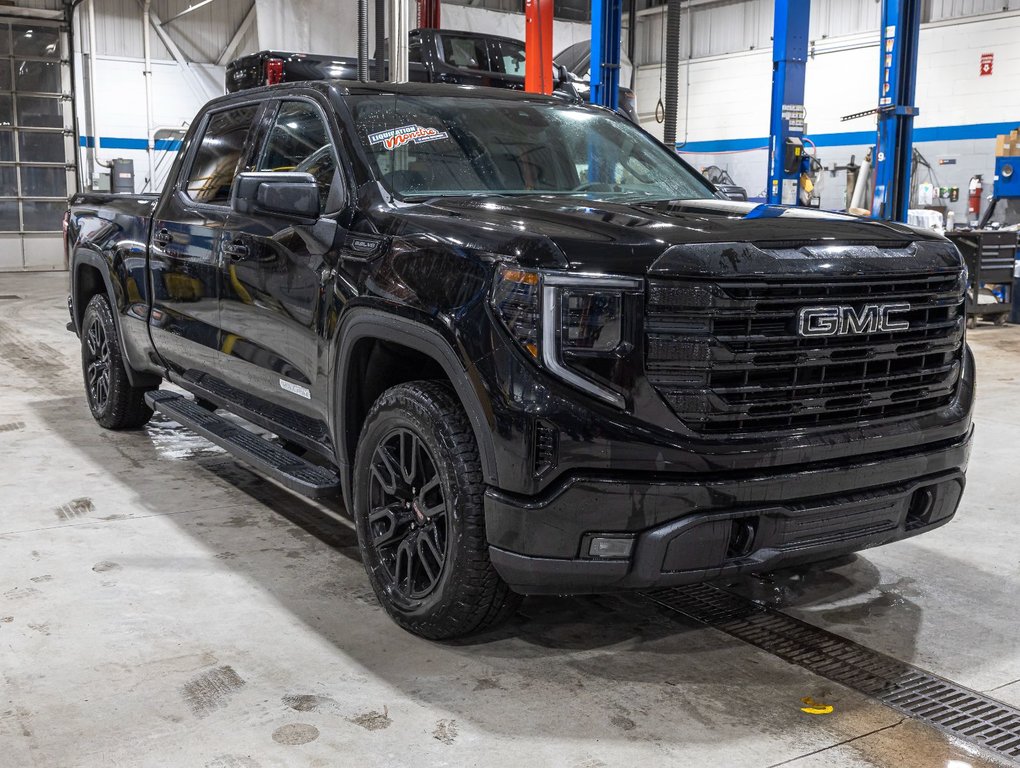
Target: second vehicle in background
{"points": [[436, 56]]}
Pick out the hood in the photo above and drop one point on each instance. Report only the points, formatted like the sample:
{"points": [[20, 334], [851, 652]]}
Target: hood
{"points": [[627, 238]]}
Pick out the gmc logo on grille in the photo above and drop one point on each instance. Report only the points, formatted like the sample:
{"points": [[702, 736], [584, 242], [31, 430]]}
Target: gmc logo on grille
{"points": [[847, 321]]}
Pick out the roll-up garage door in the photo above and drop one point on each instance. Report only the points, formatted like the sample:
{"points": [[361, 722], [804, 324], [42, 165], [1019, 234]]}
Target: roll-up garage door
{"points": [[37, 153]]}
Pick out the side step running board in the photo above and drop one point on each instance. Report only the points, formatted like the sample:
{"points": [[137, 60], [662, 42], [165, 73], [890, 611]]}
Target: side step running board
{"points": [[286, 468]]}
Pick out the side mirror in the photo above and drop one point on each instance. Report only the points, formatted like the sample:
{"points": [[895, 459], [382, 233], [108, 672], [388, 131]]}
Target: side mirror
{"points": [[290, 195]]}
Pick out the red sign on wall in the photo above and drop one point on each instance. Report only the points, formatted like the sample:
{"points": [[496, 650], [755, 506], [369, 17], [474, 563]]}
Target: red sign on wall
{"points": [[987, 59]]}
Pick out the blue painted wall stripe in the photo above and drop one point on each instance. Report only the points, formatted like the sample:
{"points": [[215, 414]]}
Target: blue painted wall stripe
{"points": [[117, 142], [718, 146], [852, 138]]}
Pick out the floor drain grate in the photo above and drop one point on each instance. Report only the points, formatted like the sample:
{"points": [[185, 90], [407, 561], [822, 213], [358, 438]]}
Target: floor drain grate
{"points": [[961, 712]]}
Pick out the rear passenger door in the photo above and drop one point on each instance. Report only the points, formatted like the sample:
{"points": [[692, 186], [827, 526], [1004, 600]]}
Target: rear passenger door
{"points": [[185, 240], [464, 60], [273, 272]]}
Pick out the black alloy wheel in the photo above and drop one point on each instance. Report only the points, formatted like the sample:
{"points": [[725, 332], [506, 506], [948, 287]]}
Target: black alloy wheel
{"points": [[114, 402], [408, 516], [96, 360], [418, 491]]}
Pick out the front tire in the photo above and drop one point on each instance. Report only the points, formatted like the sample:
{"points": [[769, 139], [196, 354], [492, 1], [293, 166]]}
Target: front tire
{"points": [[114, 403], [418, 508]]}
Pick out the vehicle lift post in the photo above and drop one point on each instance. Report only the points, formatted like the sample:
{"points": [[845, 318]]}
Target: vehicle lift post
{"points": [[606, 36], [400, 34], [787, 121], [428, 14], [538, 41], [901, 27]]}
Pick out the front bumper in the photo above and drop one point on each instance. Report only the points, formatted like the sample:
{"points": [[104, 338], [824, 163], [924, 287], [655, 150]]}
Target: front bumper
{"points": [[687, 531]]}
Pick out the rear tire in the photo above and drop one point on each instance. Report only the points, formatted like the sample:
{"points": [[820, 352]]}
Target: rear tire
{"points": [[421, 525], [114, 403]]}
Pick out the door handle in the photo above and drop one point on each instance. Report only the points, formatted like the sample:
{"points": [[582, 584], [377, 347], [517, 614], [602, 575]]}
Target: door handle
{"points": [[163, 237], [237, 251]]}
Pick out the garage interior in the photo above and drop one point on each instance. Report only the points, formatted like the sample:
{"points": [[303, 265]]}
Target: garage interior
{"points": [[164, 604]]}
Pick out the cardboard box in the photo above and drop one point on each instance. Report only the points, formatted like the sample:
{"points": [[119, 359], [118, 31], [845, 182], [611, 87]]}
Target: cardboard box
{"points": [[1008, 145]]}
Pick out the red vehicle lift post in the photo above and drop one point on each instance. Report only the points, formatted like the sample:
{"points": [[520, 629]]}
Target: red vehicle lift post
{"points": [[428, 14], [538, 34]]}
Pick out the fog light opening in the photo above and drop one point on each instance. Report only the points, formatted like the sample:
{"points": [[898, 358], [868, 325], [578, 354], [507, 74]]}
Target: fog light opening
{"points": [[922, 502], [610, 547], [742, 533]]}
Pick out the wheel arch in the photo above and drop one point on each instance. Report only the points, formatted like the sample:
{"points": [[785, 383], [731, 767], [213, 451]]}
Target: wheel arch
{"points": [[90, 276], [367, 327]]}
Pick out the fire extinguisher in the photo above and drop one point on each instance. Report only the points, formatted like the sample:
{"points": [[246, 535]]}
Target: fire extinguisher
{"points": [[974, 199]]}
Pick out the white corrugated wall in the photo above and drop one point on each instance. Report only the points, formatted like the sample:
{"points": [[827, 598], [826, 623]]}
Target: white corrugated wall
{"points": [[200, 35], [731, 26], [955, 9]]}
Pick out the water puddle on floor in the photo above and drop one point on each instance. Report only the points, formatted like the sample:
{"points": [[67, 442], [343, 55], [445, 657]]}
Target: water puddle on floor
{"points": [[172, 441]]}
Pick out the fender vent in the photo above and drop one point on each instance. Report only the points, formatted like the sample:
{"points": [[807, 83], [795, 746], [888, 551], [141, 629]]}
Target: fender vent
{"points": [[545, 448]]}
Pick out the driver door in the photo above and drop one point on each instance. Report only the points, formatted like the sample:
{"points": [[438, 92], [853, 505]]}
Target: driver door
{"points": [[272, 302]]}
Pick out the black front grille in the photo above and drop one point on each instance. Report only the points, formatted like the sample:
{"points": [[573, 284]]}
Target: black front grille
{"points": [[727, 355]]}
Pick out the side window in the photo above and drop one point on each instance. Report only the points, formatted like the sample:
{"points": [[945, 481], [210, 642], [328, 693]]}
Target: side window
{"points": [[465, 53], [414, 53], [510, 59], [219, 153], [300, 142]]}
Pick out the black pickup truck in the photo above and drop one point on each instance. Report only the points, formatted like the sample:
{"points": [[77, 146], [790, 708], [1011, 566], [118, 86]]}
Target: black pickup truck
{"points": [[436, 56], [531, 348]]}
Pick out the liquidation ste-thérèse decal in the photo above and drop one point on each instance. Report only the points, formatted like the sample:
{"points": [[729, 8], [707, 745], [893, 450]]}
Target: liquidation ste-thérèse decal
{"points": [[408, 134]]}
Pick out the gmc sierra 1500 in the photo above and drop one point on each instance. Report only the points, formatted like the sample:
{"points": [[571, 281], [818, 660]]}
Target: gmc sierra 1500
{"points": [[531, 347]]}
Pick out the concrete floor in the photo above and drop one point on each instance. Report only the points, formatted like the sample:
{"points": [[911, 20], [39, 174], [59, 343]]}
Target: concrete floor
{"points": [[161, 605]]}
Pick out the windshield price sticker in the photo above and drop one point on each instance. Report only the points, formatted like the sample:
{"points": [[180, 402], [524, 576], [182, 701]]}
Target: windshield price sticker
{"points": [[408, 134]]}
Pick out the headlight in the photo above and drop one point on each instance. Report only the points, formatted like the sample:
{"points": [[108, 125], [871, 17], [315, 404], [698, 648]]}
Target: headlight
{"points": [[591, 321], [581, 328], [515, 297]]}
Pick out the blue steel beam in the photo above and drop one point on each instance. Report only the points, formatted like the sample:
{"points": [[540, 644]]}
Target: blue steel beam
{"points": [[789, 59], [901, 26], [606, 32]]}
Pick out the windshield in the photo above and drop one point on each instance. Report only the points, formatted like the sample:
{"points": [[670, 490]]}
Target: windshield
{"points": [[451, 146]]}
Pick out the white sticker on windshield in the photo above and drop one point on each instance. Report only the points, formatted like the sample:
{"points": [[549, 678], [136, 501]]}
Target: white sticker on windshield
{"points": [[408, 134]]}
